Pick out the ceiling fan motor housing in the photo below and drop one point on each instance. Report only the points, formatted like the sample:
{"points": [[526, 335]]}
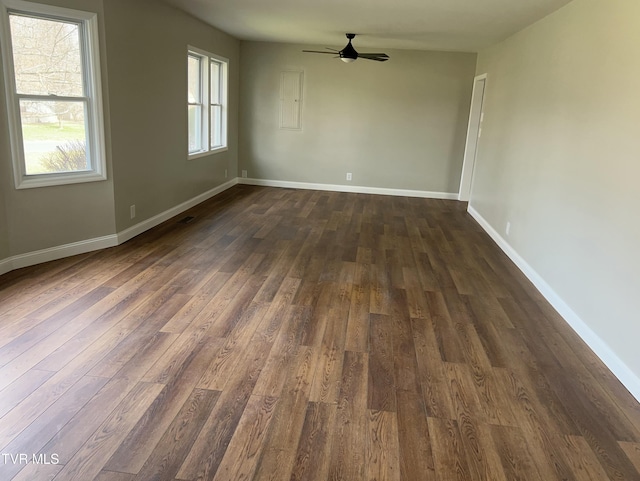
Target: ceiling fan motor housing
{"points": [[349, 51]]}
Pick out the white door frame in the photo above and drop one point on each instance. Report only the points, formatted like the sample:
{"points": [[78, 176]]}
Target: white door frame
{"points": [[474, 130]]}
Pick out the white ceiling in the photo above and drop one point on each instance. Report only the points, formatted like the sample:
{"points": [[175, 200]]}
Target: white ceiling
{"points": [[458, 25]]}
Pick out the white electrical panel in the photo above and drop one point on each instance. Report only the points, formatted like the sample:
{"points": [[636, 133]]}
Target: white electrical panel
{"points": [[291, 99]]}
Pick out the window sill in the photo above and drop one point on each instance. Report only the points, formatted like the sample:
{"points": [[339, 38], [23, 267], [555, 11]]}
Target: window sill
{"points": [[47, 180], [217, 150]]}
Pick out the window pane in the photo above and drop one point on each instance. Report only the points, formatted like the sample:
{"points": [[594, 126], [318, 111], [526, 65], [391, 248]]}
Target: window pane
{"points": [[46, 55], [194, 92], [195, 128], [54, 136], [216, 126], [215, 82]]}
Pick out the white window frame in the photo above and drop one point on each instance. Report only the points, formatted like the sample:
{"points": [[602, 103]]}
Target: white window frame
{"points": [[90, 55], [207, 58]]}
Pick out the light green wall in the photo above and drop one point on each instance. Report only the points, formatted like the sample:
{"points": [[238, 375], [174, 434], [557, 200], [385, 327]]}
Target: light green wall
{"points": [[558, 158], [143, 47], [51, 216], [146, 51], [400, 124]]}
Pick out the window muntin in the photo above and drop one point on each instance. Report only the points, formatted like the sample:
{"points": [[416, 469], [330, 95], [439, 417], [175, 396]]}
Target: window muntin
{"points": [[216, 105], [206, 98], [52, 78]]}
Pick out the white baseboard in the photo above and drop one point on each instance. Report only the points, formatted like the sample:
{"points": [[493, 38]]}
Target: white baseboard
{"points": [[6, 265], [57, 252], [624, 374], [356, 189], [147, 224], [89, 245]]}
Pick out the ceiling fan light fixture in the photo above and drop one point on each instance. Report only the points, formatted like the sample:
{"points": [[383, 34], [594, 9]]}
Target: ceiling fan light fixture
{"points": [[349, 54]]}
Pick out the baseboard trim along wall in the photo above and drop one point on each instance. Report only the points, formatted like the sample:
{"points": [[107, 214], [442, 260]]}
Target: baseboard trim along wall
{"points": [[624, 374], [89, 245], [6, 265], [356, 189], [57, 252], [147, 224]]}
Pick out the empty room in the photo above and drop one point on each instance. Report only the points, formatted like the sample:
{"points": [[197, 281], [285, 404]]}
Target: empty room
{"points": [[358, 241]]}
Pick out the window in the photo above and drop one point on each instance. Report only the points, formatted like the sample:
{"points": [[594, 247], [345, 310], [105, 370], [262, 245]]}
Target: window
{"points": [[52, 78], [206, 102]]}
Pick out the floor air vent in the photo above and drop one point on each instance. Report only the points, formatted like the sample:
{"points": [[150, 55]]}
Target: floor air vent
{"points": [[186, 220]]}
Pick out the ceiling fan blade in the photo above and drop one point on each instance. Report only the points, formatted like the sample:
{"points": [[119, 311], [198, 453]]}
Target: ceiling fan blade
{"points": [[380, 57], [318, 51]]}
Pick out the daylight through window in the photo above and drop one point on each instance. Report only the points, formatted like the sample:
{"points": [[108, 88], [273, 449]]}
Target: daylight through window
{"points": [[51, 66], [206, 102]]}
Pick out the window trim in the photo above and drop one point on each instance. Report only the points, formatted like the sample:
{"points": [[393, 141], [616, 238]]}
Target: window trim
{"points": [[206, 102], [96, 151]]}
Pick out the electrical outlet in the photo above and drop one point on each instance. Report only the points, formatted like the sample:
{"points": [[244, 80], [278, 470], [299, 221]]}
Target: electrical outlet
{"points": [[349, 177], [225, 173], [244, 174], [132, 211], [508, 228]]}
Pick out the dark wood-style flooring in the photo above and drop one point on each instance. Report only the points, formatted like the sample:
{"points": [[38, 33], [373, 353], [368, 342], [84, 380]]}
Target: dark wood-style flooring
{"points": [[302, 335]]}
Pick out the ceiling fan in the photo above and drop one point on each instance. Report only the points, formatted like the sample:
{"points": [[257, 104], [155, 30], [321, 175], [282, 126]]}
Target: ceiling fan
{"points": [[349, 54]]}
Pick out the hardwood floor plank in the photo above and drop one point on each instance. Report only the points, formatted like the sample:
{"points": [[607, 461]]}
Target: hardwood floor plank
{"points": [[172, 448], [300, 335], [93, 332], [209, 448], [600, 435], [348, 451], [183, 318], [87, 420], [284, 434], [282, 357], [381, 385], [327, 381], [483, 458], [357, 338], [220, 370], [379, 296], [243, 453], [448, 451], [147, 319], [434, 385], [416, 459], [583, 462], [632, 450], [382, 459], [314, 449], [448, 342], [113, 476], [151, 427], [16, 392], [514, 454], [56, 331], [40, 472], [154, 348], [45, 426], [96, 451]]}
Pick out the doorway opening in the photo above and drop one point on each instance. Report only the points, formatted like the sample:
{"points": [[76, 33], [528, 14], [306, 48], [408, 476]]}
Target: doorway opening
{"points": [[474, 132]]}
